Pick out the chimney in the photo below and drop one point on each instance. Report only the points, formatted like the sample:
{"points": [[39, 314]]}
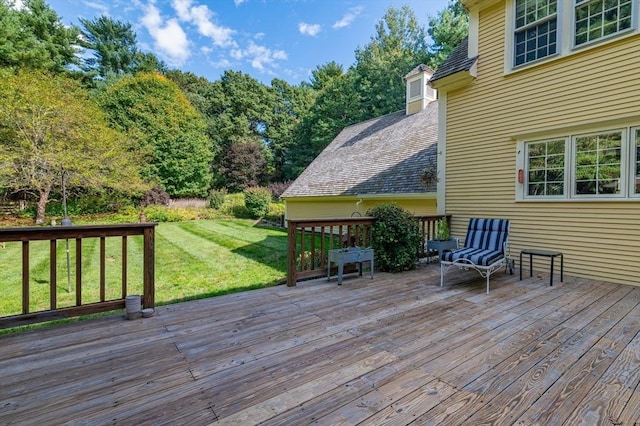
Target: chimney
{"points": [[419, 94]]}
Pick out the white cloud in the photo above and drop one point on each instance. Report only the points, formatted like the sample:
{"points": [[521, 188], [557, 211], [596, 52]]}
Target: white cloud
{"points": [[348, 18], [202, 17], [169, 38], [239, 2], [222, 63], [260, 57], [309, 29], [102, 8]]}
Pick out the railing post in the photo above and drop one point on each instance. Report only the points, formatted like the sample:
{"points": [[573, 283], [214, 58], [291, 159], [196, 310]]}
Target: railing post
{"points": [[149, 296], [291, 254]]}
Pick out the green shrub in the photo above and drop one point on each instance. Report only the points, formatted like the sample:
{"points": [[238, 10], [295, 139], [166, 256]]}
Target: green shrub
{"points": [[395, 238], [257, 201], [276, 211], [86, 204], [216, 198], [158, 213]]}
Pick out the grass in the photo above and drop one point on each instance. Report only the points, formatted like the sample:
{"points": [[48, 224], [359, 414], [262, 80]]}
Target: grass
{"points": [[194, 259]]}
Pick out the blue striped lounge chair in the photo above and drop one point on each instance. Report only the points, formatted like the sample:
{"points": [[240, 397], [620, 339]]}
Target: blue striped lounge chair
{"points": [[485, 248]]}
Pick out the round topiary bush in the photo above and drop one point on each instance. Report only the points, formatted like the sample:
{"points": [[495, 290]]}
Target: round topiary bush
{"points": [[395, 238]]}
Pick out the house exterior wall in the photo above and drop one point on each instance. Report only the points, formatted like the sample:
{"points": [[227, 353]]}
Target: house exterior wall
{"points": [[335, 207], [588, 90]]}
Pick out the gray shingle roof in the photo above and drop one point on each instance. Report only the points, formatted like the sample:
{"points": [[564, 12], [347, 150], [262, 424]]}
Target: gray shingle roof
{"points": [[457, 61], [417, 70], [384, 155]]}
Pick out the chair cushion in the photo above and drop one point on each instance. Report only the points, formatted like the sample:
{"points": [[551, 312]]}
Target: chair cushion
{"points": [[487, 234], [480, 257]]}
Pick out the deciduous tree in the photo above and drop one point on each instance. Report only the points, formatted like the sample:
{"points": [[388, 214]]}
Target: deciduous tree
{"points": [[154, 112], [49, 127]]}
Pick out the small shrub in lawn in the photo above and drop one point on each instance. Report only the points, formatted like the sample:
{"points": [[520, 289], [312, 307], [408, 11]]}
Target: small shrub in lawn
{"points": [[257, 201], [216, 198], [395, 238]]}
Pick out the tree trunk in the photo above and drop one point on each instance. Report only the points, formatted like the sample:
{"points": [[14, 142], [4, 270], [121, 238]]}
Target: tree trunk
{"points": [[42, 204]]}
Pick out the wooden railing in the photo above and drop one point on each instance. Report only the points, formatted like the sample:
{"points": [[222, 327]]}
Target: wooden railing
{"points": [[78, 233], [309, 241]]}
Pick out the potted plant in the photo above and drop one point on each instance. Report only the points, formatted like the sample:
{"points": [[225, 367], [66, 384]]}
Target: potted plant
{"points": [[442, 230]]}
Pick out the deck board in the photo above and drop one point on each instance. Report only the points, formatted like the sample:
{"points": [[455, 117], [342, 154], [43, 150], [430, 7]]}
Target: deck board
{"points": [[397, 349]]}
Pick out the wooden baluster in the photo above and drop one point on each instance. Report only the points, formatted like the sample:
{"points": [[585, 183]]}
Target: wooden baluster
{"points": [[53, 274], [312, 262], [102, 270], [78, 271], [124, 266], [25, 277], [303, 246], [323, 260]]}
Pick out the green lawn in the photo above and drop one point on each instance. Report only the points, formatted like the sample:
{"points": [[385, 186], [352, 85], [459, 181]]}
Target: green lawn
{"points": [[193, 260]]}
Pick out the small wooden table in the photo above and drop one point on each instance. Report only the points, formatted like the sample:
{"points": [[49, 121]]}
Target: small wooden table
{"points": [[546, 253], [350, 255]]}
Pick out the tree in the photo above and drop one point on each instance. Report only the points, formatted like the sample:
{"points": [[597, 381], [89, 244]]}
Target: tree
{"points": [[243, 166], [447, 30], [155, 113], [240, 108], [113, 44], [324, 75], [33, 36], [291, 104], [49, 128], [399, 45], [335, 107]]}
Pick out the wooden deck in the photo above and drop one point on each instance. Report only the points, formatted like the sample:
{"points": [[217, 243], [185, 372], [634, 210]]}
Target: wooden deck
{"points": [[397, 349]]}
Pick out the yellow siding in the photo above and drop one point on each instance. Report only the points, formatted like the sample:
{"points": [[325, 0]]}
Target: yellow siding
{"points": [[600, 240], [330, 208]]}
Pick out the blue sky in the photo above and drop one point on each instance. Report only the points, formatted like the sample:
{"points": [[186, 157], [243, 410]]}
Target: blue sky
{"points": [[267, 39]]}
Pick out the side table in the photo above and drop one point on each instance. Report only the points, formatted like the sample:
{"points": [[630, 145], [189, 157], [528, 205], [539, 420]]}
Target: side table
{"points": [[546, 253], [440, 246]]}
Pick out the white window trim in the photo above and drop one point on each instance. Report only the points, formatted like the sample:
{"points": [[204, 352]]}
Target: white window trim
{"points": [[421, 83], [565, 35], [632, 157], [607, 38], [626, 170], [624, 160]]}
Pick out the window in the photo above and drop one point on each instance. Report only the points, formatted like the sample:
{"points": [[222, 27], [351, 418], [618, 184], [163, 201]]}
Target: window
{"points": [[546, 168], [415, 88], [596, 19], [535, 30], [598, 160], [604, 164], [540, 30], [636, 160]]}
